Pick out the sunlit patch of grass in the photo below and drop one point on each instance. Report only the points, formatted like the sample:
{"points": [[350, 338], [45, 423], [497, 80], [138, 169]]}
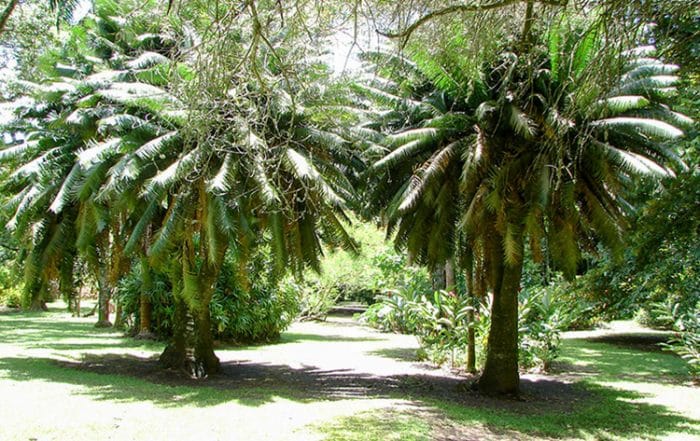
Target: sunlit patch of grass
{"points": [[374, 426]]}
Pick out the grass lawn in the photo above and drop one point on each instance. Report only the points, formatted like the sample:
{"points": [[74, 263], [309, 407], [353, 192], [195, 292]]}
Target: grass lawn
{"points": [[57, 381]]}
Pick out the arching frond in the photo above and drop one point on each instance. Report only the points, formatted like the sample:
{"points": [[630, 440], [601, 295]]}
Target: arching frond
{"points": [[146, 60], [651, 127]]}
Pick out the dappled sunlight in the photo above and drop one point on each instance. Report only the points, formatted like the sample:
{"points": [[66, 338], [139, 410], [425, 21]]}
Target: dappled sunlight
{"points": [[322, 377]]}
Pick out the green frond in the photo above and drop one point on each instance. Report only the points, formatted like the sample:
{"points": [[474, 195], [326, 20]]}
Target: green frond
{"points": [[436, 168], [663, 113], [105, 78], [79, 117], [23, 206], [385, 98], [420, 134], [279, 247], [405, 151], [142, 95], [18, 151], [647, 86], [122, 124], [158, 146], [216, 241], [98, 151], [521, 123], [619, 104], [166, 235], [647, 126], [220, 182], [267, 191], [146, 219], [337, 234], [35, 166], [647, 70], [175, 172], [304, 170], [67, 190], [512, 248], [147, 60], [633, 162]]}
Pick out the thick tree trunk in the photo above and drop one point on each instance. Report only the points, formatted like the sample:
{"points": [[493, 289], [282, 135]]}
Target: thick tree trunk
{"points": [[145, 307], [118, 316], [35, 297], [103, 297], [38, 304], [206, 361], [500, 376], [175, 354]]}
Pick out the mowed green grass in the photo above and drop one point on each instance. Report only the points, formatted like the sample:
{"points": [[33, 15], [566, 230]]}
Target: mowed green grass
{"points": [[617, 393]]}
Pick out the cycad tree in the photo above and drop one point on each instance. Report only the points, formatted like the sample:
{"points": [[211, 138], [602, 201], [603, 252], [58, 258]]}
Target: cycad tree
{"points": [[187, 177], [532, 148], [67, 126]]}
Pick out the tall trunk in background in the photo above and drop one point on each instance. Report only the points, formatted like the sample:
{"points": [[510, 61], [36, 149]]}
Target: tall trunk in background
{"points": [[450, 281], [103, 294], [500, 376], [145, 307], [471, 332], [438, 278]]}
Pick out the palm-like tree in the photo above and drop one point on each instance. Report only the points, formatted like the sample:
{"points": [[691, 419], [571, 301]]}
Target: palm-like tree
{"points": [[245, 167], [530, 150], [67, 127]]}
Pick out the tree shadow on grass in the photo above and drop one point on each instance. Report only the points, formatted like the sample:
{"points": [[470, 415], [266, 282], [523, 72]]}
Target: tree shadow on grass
{"points": [[548, 407]]}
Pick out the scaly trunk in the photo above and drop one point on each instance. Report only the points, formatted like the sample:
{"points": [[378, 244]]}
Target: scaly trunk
{"points": [[103, 296], [38, 303], [145, 307], [206, 361], [450, 282], [500, 376], [175, 354], [438, 278], [118, 315]]}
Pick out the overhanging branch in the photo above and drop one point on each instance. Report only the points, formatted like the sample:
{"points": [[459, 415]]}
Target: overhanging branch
{"points": [[405, 35]]}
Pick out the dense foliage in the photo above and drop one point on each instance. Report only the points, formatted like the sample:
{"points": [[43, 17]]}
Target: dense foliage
{"points": [[194, 162]]}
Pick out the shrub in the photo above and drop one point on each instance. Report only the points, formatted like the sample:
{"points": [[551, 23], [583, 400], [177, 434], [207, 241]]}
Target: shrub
{"points": [[241, 312], [11, 291], [543, 316], [440, 323], [11, 297], [686, 338]]}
